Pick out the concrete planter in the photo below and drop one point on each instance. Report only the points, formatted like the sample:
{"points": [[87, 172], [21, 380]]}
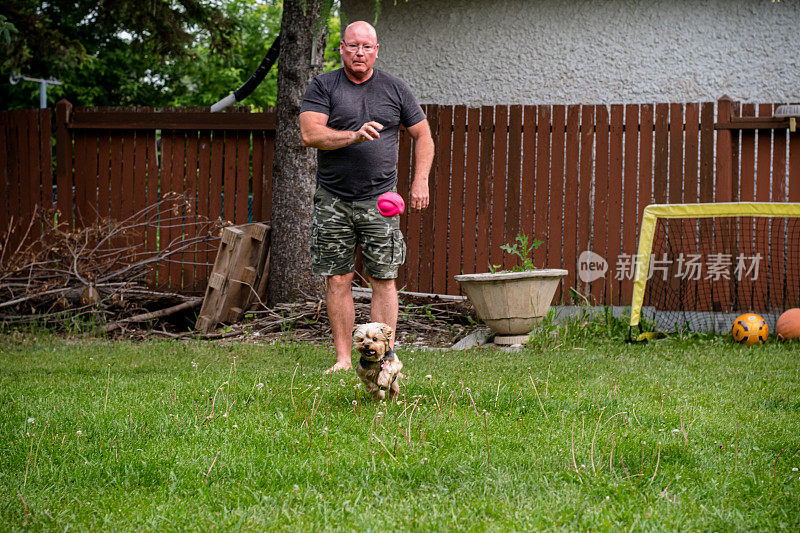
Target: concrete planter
{"points": [[512, 303]]}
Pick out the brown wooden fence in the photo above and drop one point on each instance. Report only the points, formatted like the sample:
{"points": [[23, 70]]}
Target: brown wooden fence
{"points": [[576, 177], [115, 162]]}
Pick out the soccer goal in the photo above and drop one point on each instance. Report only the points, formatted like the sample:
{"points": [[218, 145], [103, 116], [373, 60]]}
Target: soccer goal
{"points": [[699, 266]]}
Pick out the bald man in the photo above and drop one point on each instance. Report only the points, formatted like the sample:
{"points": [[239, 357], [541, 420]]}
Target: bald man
{"points": [[352, 116]]}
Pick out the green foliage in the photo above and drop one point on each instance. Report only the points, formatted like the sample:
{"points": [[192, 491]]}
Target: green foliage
{"points": [[6, 29], [105, 52], [184, 53], [524, 252], [678, 435], [207, 75], [333, 58]]}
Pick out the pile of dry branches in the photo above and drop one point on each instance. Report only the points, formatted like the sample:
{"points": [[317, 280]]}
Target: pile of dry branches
{"points": [[424, 320], [58, 274], [67, 277]]}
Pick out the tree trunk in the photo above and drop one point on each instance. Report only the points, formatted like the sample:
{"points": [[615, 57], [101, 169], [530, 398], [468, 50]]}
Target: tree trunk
{"points": [[294, 173]]}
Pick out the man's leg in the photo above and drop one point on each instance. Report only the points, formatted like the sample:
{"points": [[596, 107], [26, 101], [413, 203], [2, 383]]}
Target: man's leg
{"points": [[342, 316], [383, 307]]}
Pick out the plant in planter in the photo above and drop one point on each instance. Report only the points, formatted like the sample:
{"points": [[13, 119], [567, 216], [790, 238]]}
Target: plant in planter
{"points": [[521, 249], [513, 302]]}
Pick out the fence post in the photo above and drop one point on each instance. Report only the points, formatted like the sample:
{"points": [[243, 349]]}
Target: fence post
{"points": [[724, 187], [5, 209], [63, 162]]}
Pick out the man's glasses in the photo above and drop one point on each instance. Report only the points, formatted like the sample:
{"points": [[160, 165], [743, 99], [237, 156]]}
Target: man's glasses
{"points": [[353, 48]]}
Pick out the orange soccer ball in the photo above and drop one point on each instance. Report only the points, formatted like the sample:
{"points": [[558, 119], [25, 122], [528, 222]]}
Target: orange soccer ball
{"points": [[749, 329], [788, 326]]}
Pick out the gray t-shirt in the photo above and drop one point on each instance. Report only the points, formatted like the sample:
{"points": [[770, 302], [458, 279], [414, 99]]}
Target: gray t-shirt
{"points": [[366, 169]]}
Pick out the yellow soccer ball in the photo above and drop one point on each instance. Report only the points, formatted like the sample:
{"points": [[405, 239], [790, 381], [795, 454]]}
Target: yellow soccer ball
{"points": [[749, 329]]}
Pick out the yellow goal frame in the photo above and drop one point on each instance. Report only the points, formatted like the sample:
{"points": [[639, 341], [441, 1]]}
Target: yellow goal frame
{"points": [[723, 209]]}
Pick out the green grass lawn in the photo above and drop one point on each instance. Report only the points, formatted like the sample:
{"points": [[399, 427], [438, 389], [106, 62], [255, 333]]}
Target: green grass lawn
{"points": [[569, 433]]}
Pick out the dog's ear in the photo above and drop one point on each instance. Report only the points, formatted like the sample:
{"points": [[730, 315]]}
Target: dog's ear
{"points": [[358, 333], [387, 331]]}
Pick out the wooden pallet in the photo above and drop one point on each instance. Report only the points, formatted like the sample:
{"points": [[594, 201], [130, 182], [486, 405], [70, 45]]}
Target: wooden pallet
{"points": [[239, 276]]}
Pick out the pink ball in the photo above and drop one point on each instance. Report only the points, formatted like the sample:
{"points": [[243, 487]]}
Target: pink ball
{"points": [[391, 204]]}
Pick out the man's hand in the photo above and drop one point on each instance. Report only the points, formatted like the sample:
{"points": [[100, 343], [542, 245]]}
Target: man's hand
{"points": [[317, 134], [369, 132], [420, 197]]}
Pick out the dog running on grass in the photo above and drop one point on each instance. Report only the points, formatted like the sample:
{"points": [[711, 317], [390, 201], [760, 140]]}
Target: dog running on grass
{"points": [[379, 368]]}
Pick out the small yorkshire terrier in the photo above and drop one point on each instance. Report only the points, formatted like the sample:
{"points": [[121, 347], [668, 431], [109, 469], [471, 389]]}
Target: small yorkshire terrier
{"points": [[379, 368]]}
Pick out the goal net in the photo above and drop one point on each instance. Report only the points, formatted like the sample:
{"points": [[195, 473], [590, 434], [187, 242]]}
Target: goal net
{"points": [[699, 266]]}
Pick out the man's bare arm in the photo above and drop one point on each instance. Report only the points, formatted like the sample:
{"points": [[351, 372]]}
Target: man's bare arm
{"points": [[423, 155], [316, 133]]}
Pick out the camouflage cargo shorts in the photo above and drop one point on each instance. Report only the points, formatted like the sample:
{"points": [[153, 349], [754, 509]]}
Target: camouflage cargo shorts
{"points": [[340, 225]]}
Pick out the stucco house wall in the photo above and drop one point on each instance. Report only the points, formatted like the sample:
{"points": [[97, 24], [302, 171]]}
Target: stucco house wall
{"points": [[480, 52]]}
